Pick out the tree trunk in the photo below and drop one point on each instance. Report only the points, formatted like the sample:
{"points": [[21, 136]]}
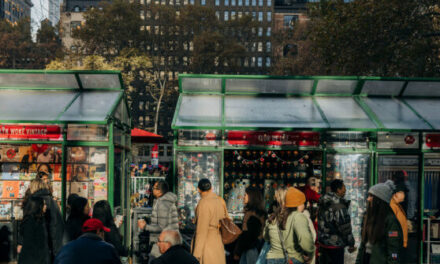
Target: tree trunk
{"points": [[159, 101]]}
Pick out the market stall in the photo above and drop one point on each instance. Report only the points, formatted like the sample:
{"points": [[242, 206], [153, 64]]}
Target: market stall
{"points": [[268, 131], [73, 125]]}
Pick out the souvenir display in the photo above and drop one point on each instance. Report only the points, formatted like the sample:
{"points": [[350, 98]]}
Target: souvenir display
{"points": [[354, 170], [5, 210], [199, 138], [193, 166], [266, 170], [86, 172]]}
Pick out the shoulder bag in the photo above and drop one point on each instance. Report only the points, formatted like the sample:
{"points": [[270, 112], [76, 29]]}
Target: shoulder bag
{"points": [[286, 255], [228, 230]]}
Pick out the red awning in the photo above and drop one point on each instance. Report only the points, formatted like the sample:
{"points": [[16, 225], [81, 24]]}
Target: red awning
{"points": [[142, 136]]}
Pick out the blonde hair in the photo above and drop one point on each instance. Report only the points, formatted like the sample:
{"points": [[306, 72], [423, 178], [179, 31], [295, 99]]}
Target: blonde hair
{"points": [[36, 185], [280, 196]]}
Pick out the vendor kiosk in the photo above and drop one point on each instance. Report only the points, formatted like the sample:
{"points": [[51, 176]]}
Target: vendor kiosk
{"points": [[269, 131], [73, 125]]}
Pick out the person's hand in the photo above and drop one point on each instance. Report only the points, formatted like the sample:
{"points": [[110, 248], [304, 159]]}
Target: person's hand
{"points": [[236, 257], [142, 224], [19, 249], [307, 259], [351, 249]]}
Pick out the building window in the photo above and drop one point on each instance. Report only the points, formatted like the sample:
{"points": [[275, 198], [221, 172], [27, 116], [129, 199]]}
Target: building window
{"points": [[254, 15], [233, 2], [268, 62], [246, 62], [226, 15], [141, 105], [232, 15], [217, 2], [203, 2], [260, 31], [260, 46], [246, 2], [253, 62], [141, 120], [191, 2], [75, 9], [260, 2], [269, 2], [217, 14], [268, 47], [240, 2], [269, 16], [260, 16], [268, 32], [289, 21], [254, 2], [161, 151], [169, 151], [260, 62]]}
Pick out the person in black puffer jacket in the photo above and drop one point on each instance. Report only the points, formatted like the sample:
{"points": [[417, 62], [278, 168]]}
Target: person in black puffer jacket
{"points": [[78, 215], [102, 211], [35, 246]]}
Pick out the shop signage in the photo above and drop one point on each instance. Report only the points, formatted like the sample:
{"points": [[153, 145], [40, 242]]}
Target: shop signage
{"points": [[31, 132], [275, 138], [432, 140], [347, 139], [386, 140]]}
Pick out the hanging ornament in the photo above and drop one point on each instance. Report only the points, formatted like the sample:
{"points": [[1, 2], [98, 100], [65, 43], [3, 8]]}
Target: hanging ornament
{"points": [[239, 158], [301, 161], [306, 156], [262, 159], [244, 162], [269, 152], [295, 153], [295, 163], [273, 155]]}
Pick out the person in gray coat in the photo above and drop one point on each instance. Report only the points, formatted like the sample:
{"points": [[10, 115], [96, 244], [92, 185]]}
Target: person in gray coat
{"points": [[163, 217]]}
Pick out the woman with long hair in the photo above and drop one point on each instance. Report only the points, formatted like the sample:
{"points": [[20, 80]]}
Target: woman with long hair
{"points": [[103, 212], [288, 231], [35, 245], [79, 213], [382, 237], [250, 241]]}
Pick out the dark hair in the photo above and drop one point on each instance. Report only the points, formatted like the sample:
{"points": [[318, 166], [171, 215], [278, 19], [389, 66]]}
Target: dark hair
{"points": [[34, 207], [103, 212], [374, 225], [398, 177], [71, 197], [162, 186], [204, 185], [254, 226], [77, 207], [336, 185], [255, 202]]}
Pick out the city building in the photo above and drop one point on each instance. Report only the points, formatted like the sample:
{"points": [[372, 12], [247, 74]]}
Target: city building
{"points": [[42, 10], [14, 10], [71, 18]]}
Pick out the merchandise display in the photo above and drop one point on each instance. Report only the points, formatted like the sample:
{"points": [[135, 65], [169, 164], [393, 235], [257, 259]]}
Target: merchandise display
{"points": [[266, 170], [354, 170], [87, 172], [192, 167]]}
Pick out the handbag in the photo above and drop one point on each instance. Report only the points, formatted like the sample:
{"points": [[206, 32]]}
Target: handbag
{"points": [[228, 230], [286, 255]]}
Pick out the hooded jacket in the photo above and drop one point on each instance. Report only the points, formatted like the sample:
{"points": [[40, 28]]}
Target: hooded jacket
{"points": [[163, 216], [334, 223]]}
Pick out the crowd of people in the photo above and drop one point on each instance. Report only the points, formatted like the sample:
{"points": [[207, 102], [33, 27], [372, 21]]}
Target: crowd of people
{"points": [[300, 224], [45, 237]]}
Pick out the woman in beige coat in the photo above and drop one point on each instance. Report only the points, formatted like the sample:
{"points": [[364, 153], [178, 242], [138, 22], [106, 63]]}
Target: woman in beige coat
{"points": [[207, 244]]}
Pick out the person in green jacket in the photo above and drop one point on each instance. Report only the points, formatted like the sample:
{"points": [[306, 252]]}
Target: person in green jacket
{"points": [[295, 231], [382, 236]]}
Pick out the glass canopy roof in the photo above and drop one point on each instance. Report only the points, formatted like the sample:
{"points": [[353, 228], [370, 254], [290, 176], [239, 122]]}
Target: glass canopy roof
{"points": [[304, 102], [39, 96]]}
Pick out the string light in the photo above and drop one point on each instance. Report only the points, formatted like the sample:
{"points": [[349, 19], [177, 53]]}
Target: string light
{"points": [[270, 154]]}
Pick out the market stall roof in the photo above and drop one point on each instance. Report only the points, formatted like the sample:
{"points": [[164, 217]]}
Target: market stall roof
{"points": [[62, 96], [142, 136], [307, 102]]}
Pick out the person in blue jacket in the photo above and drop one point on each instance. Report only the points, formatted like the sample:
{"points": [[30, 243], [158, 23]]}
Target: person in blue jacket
{"points": [[90, 248]]}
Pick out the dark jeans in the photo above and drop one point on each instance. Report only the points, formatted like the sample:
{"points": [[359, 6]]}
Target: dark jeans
{"points": [[331, 256]]}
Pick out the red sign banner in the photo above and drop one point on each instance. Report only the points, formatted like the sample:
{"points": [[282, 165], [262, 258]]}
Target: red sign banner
{"points": [[432, 140], [31, 132], [275, 138]]}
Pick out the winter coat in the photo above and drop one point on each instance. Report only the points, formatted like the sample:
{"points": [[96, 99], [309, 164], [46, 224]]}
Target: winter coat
{"points": [[176, 254], [334, 223], [163, 216], [74, 227], [88, 249], [54, 220], [114, 237], [35, 246], [297, 237], [401, 217], [386, 250], [249, 214], [207, 245]]}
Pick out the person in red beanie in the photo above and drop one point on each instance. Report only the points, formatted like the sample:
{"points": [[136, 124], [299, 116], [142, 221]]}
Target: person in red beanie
{"points": [[90, 248]]}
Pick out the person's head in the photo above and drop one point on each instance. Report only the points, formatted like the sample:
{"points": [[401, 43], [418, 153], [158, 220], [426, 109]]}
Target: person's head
{"points": [[280, 196], [35, 207], [314, 183], [204, 185], [103, 212], [374, 224], [399, 176], [43, 167], [36, 185], [295, 199], [383, 191], [167, 239], [399, 192], [70, 199], [80, 207], [95, 226], [44, 177], [337, 186], [253, 200], [160, 188]]}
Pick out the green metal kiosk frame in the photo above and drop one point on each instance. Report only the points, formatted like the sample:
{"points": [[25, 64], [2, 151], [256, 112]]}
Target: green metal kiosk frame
{"points": [[77, 124], [388, 124]]}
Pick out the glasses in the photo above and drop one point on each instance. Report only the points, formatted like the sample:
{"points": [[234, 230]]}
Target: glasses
{"points": [[159, 241]]}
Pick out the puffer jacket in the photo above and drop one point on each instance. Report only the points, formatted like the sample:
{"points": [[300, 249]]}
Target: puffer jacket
{"points": [[389, 248], [334, 223], [163, 216]]}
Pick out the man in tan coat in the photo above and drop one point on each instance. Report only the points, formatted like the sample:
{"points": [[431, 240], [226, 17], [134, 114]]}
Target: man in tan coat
{"points": [[207, 244]]}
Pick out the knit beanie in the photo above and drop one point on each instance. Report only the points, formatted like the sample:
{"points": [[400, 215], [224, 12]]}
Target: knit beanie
{"points": [[383, 191], [294, 197]]}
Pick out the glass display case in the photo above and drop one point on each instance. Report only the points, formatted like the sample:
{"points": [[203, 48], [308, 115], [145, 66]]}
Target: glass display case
{"points": [[192, 167], [354, 170]]}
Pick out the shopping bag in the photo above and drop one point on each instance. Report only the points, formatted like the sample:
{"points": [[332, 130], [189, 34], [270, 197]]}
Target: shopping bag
{"points": [[263, 253]]}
